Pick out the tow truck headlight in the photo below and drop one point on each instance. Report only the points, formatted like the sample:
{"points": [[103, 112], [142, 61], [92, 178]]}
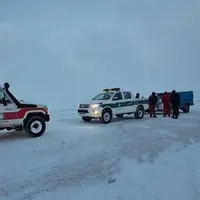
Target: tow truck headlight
{"points": [[95, 105]]}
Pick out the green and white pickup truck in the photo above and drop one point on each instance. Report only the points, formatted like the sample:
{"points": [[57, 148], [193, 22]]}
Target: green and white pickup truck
{"points": [[113, 102]]}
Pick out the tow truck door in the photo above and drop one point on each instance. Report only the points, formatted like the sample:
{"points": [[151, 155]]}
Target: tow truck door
{"points": [[8, 111]]}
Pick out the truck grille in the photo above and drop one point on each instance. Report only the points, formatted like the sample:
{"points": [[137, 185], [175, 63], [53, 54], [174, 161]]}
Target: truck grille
{"points": [[82, 111], [84, 106]]}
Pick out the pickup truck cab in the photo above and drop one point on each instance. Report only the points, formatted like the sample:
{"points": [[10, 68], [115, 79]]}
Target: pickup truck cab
{"points": [[113, 102], [19, 116]]}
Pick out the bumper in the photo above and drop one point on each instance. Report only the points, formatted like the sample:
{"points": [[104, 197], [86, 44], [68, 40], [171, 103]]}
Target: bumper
{"points": [[46, 117], [94, 113]]}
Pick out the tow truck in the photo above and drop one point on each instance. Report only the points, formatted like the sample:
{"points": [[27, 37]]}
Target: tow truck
{"points": [[19, 116], [111, 102]]}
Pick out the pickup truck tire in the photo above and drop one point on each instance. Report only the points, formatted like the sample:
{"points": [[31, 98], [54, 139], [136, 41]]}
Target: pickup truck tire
{"points": [[186, 108], [119, 115], [106, 116], [86, 119], [139, 114], [34, 126]]}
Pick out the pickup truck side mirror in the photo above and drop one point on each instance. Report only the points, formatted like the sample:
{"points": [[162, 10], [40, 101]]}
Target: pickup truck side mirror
{"points": [[115, 98], [4, 102]]}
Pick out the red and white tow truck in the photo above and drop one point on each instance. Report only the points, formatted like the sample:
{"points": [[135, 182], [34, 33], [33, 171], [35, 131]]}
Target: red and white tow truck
{"points": [[15, 115]]}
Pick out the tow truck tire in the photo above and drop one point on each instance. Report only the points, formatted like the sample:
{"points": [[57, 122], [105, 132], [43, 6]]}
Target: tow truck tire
{"points": [[86, 119], [106, 116], [35, 126], [139, 114], [119, 115]]}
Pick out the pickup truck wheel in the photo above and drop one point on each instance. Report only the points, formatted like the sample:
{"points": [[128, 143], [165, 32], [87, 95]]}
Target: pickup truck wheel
{"points": [[106, 116], [139, 114], [86, 119], [35, 126], [119, 115], [186, 108]]}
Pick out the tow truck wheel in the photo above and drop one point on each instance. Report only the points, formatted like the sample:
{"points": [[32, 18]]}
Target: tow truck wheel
{"points": [[139, 114], [35, 126], [106, 116], [86, 119]]}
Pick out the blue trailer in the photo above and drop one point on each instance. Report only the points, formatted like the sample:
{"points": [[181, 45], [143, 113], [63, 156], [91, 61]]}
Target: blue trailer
{"points": [[186, 97]]}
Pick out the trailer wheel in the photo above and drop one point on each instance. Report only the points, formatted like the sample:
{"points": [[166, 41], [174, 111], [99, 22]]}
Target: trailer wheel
{"points": [[186, 108]]}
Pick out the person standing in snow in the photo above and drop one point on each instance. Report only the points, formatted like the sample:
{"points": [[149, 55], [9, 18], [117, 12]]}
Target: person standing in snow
{"points": [[153, 99], [175, 101], [166, 104]]}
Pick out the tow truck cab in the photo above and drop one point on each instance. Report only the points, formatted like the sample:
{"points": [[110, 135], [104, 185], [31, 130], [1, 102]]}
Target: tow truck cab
{"points": [[19, 116]]}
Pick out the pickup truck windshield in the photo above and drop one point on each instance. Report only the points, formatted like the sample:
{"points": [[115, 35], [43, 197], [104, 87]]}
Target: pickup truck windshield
{"points": [[103, 96]]}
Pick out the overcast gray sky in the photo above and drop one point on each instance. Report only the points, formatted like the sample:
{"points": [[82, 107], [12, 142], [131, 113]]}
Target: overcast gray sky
{"points": [[62, 52]]}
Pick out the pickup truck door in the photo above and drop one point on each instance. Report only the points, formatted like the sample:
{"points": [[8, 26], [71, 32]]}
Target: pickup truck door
{"points": [[128, 102], [8, 114], [117, 102], [124, 102]]}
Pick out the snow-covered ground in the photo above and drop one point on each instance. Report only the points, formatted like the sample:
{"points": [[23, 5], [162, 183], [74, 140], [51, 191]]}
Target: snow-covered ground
{"points": [[129, 159]]}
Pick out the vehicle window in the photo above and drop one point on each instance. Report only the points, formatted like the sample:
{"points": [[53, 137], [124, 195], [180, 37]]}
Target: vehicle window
{"points": [[127, 95], [2, 96], [104, 96], [119, 95]]}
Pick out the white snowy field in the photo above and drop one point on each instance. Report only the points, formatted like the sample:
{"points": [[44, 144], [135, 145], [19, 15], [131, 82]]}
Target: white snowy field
{"points": [[129, 159]]}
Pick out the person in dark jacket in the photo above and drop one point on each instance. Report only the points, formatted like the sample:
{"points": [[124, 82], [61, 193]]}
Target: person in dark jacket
{"points": [[166, 104], [153, 99], [175, 102]]}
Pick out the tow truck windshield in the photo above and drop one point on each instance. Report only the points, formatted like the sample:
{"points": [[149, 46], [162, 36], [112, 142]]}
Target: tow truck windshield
{"points": [[103, 96]]}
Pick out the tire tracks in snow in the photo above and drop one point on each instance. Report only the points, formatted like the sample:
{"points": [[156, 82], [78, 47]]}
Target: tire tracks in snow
{"points": [[140, 143]]}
